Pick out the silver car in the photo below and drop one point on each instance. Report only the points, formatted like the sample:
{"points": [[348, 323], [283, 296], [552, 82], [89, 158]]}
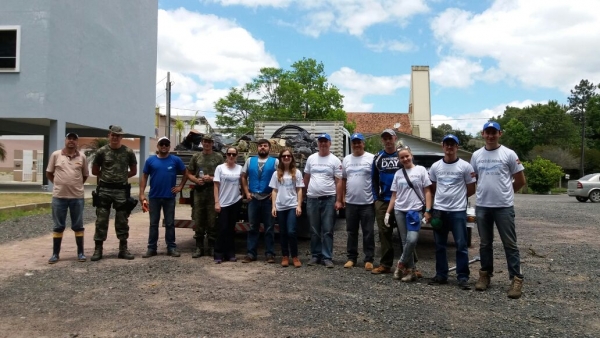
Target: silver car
{"points": [[587, 187]]}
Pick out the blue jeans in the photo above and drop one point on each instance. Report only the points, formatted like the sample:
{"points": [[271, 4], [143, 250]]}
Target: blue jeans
{"points": [[259, 211], [409, 240], [59, 213], [362, 215], [455, 221], [168, 208], [287, 231], [504, 218], [321, 217]]}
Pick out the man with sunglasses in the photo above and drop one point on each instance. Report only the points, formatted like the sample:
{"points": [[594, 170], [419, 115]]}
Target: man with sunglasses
{"points": [[162, 169], [201, 171], [113, 164], [256, 175]]}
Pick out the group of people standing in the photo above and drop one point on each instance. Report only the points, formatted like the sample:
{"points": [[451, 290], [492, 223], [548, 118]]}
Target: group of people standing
{"points": [[386, 187]]}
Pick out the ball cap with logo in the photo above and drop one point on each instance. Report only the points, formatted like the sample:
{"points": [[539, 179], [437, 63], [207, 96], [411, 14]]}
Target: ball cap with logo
{"points": [[491, 124], [450, 137], [357, 136], [324, 136]]}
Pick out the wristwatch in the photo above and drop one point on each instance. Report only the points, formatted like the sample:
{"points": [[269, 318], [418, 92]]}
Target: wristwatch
{"points": [[428, 210]]}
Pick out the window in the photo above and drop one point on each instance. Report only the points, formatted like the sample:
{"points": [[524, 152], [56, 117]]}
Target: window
{"points": [[10, 43]]}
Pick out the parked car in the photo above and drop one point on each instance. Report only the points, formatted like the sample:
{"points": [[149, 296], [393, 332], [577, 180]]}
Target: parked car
{"points": [[587, 187]]}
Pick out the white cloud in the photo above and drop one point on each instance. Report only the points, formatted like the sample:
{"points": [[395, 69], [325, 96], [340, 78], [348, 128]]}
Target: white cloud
{"points": [[355, 86], [472, 122], [392, 45], [540, 43], [455, 72]]}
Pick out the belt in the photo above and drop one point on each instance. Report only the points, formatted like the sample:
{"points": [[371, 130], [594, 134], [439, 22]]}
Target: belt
{"points": [[102, 184], [323, 197]]}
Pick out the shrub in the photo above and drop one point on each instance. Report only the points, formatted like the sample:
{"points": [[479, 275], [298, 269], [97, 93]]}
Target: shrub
{"points": [[542, 174]]}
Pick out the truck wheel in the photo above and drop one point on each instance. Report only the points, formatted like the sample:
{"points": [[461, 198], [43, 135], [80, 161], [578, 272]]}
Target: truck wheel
{"points": [[581, 199], [469, 236], [595, 196]]}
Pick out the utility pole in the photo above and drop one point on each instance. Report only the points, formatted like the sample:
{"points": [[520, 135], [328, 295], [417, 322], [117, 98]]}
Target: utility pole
{"points": [[168, 110], [581, 162]]}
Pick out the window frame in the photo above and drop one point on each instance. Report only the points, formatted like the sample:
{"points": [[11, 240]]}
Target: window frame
{"points": [[17, 68]]}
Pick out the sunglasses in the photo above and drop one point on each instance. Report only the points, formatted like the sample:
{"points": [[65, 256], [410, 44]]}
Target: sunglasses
{"points": [[286, 156], [164, 144], [231, 154]]}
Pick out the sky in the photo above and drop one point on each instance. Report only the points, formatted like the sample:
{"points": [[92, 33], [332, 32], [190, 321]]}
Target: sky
{"points": [[483, 55]]}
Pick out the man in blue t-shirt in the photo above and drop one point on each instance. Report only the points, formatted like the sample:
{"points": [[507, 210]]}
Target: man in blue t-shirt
{"points": [[162, 169]]}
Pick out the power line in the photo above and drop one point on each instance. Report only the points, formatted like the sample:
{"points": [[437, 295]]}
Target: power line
{"points": [[161, 80]]}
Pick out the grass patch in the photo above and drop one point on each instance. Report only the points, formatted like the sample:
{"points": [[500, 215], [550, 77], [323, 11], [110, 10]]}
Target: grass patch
{"points": [[558, 191], [12, 199], [12, 214]]}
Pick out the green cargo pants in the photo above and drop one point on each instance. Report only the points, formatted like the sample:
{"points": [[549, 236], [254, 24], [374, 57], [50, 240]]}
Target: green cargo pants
{"points": [[116, 198], [205, 215]]}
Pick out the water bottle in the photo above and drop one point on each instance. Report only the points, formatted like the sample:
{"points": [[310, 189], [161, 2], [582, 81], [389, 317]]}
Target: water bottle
{"points": [[200, 173]]}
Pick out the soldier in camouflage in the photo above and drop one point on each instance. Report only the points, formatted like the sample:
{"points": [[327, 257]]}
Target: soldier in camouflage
{"points": [[201, 171], [113, 164]]}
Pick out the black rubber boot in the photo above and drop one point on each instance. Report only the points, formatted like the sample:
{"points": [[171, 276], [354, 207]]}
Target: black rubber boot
{"points": [[97, 251], [123, 252], [79, 241], [57, 240], [199, 247]]}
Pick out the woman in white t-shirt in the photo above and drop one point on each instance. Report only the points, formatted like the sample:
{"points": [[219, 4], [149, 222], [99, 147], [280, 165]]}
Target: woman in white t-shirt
{"points": [[407, 206], [287, 187], [228, 201]]}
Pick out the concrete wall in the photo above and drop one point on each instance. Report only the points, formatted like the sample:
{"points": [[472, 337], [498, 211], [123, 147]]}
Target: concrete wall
{"points": [[420, 102]]}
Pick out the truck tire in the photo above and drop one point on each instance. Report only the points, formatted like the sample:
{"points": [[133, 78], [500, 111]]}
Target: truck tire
{"points": [[581, 199], [469, 236], [595, 196]]}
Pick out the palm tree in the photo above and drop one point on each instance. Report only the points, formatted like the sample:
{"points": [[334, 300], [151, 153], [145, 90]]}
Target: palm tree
{"points": [[92, 148], [179, 127], [2, 152], [192, 122]]}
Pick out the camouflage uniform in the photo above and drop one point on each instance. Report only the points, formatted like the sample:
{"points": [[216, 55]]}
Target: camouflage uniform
{"points": [[114, 167], [204, 214]]}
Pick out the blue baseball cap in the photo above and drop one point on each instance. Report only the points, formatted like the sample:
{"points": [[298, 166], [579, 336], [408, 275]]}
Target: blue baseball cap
{"points": [[357, 136], [491, 124], [450, 137], [325, 136]]}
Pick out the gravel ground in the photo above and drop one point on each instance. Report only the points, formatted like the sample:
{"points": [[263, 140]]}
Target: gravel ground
{"points": [[164, 296]]}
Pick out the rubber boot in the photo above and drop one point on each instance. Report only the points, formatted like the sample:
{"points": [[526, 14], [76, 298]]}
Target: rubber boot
{"points": [[123, 252], [57, 240], [210, 248], [97, 251], [199, 247], [79, 241]]}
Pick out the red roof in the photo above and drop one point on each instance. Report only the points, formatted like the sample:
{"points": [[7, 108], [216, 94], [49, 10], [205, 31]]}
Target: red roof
{"points": [[373, 123]]}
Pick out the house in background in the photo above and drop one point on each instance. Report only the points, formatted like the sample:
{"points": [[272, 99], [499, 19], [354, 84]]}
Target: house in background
{"points": [[77, 66]]}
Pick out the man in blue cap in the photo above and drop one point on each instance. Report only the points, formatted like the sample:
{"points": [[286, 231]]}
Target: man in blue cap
{"points": [[358, 190], [322, 176], [499, 174], [453, 182]]}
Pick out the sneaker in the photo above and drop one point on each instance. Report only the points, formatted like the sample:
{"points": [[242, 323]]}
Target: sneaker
{"points": [[233, 259], [349, 264], [81, 257], [270, 259], [314, 261], [296, 262], [328, 263], [53, 259], [218, 260], [173, 253], [437, 280], [368, 266], [464, 284], [149, 253], [516, 287], [380, 270], [409, 277], [285, 261], [248, 259], [400, 272], [484, 281]]}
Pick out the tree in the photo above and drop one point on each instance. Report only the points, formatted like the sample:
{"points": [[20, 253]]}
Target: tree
{"points": [[578, 103], [179, 127], [517, 137], [2, 152], [92, 148], [593, 123], [438, 133], [301, 93], [563, 157], [542, 174]]}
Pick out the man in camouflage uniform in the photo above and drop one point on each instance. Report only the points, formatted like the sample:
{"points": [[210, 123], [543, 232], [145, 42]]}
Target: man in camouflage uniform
{"points": [[204, 212], [113, 164]]}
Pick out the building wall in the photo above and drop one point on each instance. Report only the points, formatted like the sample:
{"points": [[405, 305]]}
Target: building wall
{"points": [[420, 102]]}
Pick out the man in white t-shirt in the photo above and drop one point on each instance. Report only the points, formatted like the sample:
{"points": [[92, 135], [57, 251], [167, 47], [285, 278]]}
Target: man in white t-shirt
{"points": [[499, 174], [322, 176], [453, 182], [358, 190]]}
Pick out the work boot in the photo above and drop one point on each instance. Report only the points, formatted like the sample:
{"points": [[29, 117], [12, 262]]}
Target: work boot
{"points": [[210, 247], [410, 276], [515, 288], [79, 241], [484, 281], [199, 247], [57, 240], [123, 252], [285, 261], [400, 272], [97, 251]]}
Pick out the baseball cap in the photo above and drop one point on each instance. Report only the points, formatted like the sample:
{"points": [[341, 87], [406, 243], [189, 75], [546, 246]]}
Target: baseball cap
{"points": [[450, 137], [388, 131], [357, 136], [325, 136], [208, 137], [491, 124], [114, 129], [164, 138], [72, 135]]}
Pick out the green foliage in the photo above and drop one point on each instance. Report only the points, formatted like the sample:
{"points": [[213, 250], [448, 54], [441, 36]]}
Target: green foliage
{"points": [[179, 127], [542, 174], [593, 123], [438, 133], [373, 144], [2, 152], [92, 148], [578, 101], [517, 137], [301, 93], [563, 157]]}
